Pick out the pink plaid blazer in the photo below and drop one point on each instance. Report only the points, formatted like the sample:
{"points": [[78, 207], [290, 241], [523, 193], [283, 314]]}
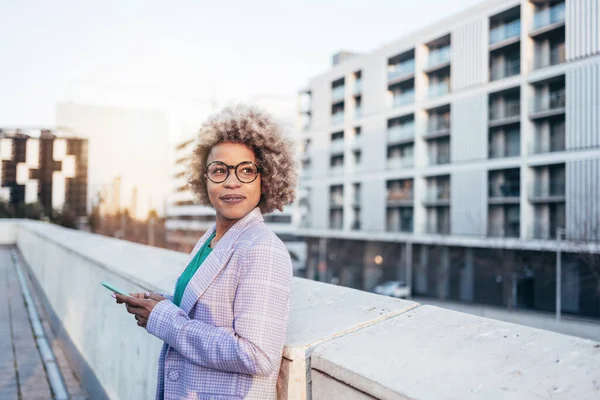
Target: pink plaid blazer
{"points": [[226, 340]]}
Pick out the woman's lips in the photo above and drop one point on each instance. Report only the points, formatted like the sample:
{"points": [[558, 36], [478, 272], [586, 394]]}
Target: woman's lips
{"points": [[232, 200]]}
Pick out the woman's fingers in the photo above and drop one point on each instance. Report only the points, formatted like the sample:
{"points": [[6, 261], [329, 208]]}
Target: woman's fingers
{"points": [[154, 296]]}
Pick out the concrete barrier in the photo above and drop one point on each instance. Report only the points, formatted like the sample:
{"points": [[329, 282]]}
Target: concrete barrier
{"points": [[342, 343]]}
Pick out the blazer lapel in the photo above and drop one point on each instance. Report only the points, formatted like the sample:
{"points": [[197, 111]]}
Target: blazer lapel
{"points": [[216, 260]]}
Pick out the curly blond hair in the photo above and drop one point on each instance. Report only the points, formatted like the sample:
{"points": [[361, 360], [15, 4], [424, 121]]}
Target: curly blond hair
{"points": [[259, 131]]}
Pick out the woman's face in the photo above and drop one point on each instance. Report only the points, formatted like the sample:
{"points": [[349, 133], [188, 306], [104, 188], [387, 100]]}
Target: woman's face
{"points": [[233, 199]]}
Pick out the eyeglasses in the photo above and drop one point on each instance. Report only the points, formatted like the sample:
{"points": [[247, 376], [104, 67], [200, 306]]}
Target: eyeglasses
{"points": [[246, 171]]}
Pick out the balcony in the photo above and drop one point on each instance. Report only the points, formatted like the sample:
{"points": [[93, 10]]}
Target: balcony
{"points": [[400, 197], [336, 201], [504, 33], [361, 326], [555, 144], [438, 89], [439, 196], [403, 99], [401, 134], [400, 72], [336, 170], [437, 127], [337, 118], [338, 94], [504, 230], [437, 228], [336, 224], [547, 192], [439, 159], [556, 56], [505, 70], [549, 18], [546, 106], [504, 193], [337, 146], [438, 58], [358, 87], [400, 162], [358, 113], [505, 113]]}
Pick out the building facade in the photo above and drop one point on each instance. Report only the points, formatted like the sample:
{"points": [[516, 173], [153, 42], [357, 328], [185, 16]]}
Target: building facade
{"points": [[450, 159], [44, 168], [187, 221]]}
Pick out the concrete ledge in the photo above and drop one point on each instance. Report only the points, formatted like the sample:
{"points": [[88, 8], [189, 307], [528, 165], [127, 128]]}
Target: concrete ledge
{"points": [[433, 353]]}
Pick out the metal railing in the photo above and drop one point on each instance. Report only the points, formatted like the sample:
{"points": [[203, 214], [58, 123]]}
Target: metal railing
{"points": [[543, 190], [400, 195], [435, 194], [400, 132], [557, 56], [404, 68], [400, 162], [440, 158], [358, 86], [338, 93], [337, 118], [539, 146], [438, 124], [508, 69], [505, 31], [438, 89], [555, 100], [504, 230], [439, 56], [510, 149], [504, 190], [549, 16], [403, 99], [442, 228], [336, 200], [510, 108]]}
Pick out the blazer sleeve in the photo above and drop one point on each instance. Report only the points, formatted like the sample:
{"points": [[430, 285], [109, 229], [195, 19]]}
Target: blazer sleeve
{"points": [[261, 312]]}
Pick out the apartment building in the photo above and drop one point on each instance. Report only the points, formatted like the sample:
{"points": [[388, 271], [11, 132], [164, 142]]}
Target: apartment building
{"points": [[187, 220], [450, 159], [41, 167]]}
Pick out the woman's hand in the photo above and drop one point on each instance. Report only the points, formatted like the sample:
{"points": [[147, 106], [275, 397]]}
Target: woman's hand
{"points": [[140, 305]]}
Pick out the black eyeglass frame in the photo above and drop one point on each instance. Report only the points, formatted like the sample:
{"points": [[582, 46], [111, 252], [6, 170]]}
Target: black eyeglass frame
{"points": [[235, 170]]}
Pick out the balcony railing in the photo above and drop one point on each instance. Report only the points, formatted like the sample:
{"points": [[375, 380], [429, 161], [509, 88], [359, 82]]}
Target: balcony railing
{"points": [[556, 56], [358, 113], [439, 56], [400, 162], [439, 159], [402, 69], [357, 140], [438, 125], [547, 190], [504, 190], [401, 132], [400, 195], [438, 228], [437, 194], [337, 170], [506, 70], [504, 230], [337, 118], [403, 99], [336, 200], [438, 89], [539, 146], [338, 93], [549, 16], [510, 108], [336, 223], [555, 100], [358, 86], [510, 149], [337, 146], [398, 226], [505, 32]]}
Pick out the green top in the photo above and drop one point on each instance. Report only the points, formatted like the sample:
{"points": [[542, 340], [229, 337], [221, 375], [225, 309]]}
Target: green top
{"points": [[191, 269]]}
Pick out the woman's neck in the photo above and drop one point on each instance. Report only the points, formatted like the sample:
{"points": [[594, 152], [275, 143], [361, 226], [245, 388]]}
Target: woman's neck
{"points": [[223, 225]]}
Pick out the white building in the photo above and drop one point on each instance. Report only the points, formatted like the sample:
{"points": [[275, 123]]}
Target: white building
{"points": [[480, 132]]}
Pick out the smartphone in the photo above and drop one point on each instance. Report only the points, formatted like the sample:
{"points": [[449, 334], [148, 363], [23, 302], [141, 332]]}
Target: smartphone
{"points": [[115, 289]]}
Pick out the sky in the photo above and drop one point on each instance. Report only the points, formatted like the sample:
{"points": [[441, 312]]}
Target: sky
{"points": [[180, 55]]}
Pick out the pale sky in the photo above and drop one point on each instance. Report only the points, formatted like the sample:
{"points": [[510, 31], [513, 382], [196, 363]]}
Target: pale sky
{"points": [[173, 54]]}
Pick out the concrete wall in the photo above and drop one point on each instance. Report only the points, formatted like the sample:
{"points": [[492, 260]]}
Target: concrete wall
{"points": [[341, 343]]}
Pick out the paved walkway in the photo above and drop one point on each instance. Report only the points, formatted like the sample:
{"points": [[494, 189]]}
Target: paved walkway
{"points": [[23, 374], [586, 329]]}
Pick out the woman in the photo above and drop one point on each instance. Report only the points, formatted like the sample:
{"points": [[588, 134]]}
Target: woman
{"points": [[225, 326]]}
